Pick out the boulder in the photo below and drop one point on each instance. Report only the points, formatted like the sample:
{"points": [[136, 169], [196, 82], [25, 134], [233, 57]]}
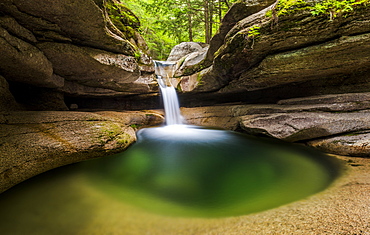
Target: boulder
{"points": [[17, 30], [34, 142], [189, 63], [352, 144], [183, 49], [305, 125]]}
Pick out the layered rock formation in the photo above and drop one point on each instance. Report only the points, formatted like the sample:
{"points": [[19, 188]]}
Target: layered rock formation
{"points": [[71, 48], [267, 52], [338, 124]]}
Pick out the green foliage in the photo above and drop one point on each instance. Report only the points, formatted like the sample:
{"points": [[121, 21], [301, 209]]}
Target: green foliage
{"points": [[285, 7], [166, 23], [253, 31], [336, 8], [135, 126], [137, 55], [124, 19]]}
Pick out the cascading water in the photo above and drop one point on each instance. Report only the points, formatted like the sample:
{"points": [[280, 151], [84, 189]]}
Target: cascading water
{"points": [[164, 71]]}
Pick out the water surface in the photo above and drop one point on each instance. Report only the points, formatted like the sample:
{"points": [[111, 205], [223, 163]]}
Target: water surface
{"points": [[191, 171], [178, 171]]}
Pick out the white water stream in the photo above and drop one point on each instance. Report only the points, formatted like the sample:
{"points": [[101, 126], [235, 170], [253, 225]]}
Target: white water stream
{"points": [[164, 71]]}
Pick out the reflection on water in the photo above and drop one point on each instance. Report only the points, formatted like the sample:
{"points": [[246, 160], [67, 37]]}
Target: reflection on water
{"points": [[174, 170], [191, 171]]}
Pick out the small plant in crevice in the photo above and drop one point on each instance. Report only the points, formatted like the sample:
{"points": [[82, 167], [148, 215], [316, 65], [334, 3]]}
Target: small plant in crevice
{"points": [[253, 33], [135, 126]]}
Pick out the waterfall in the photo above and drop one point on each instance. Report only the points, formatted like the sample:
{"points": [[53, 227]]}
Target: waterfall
{"points": [[164, 71]]}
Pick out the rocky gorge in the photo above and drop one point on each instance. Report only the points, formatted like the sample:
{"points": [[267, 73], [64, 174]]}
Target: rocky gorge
{"points": [[76, 83]]}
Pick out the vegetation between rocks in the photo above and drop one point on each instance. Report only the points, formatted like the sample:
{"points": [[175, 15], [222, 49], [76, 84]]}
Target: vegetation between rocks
{"points": [[333, 8]]}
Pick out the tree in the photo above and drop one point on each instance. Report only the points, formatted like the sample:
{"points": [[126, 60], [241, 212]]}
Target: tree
{"points": [[166, 23]]}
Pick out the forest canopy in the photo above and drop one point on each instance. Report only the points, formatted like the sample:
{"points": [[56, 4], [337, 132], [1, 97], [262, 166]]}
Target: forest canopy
{"points": [[165, 23]]}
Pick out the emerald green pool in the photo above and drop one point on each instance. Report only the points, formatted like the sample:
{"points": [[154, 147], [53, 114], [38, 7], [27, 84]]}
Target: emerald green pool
{"points": [[173, 171], [183, 170]]}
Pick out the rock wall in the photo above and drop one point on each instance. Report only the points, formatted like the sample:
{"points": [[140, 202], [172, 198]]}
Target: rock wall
{"points": [[284, 56], [71, 48]]}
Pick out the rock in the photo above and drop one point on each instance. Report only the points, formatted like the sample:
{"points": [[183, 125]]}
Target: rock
{"points": [[245, 58], [34, 142], [44, 45], [66, 20], [337, 124], [7, 101], [17, 30], [237, 12], [23, 62], [339, 57], [183, 49], [355, 98], [93, 67], [189, 63], [75, 89], [213, 116], [73, 107], [195, 64], [305, 125], [353, 144], [289, 124], [188, 83]]}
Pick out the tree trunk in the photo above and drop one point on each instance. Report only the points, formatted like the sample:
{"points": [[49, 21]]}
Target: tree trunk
{"points": [[219, 11], [210, 19], [190, 21], [206, 21]]}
